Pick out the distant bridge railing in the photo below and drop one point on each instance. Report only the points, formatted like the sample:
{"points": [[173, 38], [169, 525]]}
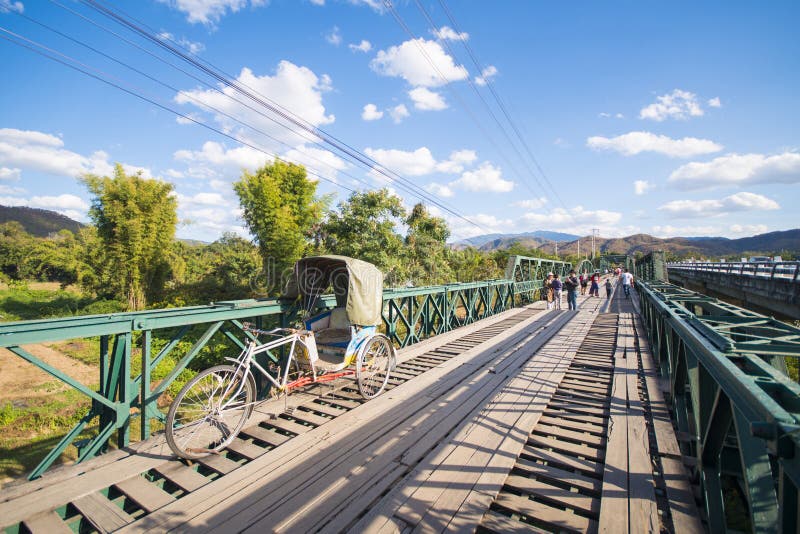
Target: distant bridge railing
{"points": [[784, 270], [733, 381], [132, 345]]}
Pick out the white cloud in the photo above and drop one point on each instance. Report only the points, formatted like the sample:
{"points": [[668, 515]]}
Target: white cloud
{"points": [[640, 187], [485, 178], [172, 173], [363, 46], [440, 190], [446, 33], [371, 113], [577, 217], [748, 229], [209, 12], [715, 102], [318, 2], [417, 163], [408, 61], [420, 162], [457, 161], [427, 100], [561, 143], [8, 6], [295, 88], [322, 162], [215, 154], [10, 174], [9, 190], [192, 46], [486, 75], [202, 199], [69, 205], [38, 151], [737, 202], [675, 105], [735, 169], [604, 115], [619, 116], [668, 230], [398, 113], [633, 143], [531, 203], [334, 37]]}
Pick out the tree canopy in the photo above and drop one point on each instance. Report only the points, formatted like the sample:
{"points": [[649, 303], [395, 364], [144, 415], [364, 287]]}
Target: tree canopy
{"points": [[135, 218], [281, 210]]}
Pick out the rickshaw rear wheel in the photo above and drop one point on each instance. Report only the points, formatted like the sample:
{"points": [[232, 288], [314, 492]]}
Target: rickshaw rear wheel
{"points": [[373, 365], [209, 411]]}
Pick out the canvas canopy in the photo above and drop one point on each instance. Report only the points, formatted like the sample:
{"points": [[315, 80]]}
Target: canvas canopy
{"points": [[357, 285]]}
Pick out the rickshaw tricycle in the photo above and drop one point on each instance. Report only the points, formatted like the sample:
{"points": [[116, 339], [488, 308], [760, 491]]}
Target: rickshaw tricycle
{"points": [[213, 407]]}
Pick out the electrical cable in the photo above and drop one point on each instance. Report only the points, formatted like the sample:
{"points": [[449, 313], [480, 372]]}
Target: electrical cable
{"points": [[86, 70], [274, 107]]}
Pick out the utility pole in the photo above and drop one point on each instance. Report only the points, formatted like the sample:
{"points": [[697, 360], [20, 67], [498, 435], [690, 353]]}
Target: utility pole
{"points": [[595, 233], [579, 247], [556, 244]]}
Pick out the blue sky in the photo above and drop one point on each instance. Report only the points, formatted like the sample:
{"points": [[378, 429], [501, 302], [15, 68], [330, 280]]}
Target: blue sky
{"points": [[668, 119]]}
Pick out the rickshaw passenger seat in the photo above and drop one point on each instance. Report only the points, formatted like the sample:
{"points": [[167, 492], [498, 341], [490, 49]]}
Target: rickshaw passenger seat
{"points": [[338, 332]]}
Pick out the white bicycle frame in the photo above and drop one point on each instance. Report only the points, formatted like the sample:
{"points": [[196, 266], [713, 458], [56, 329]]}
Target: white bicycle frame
{"points": [[245, 362]]}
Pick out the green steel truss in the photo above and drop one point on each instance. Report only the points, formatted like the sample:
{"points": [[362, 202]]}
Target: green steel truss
{"points": [[409, 315], [611, 261], [731, 395], [529, 274], [652, 266]]}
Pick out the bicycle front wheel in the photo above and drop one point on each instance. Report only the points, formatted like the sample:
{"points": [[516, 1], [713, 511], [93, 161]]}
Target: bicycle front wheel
{"points": [[373, 365], [209, 411]]}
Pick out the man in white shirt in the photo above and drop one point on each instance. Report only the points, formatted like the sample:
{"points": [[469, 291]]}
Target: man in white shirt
{"points": [[627, 282]]}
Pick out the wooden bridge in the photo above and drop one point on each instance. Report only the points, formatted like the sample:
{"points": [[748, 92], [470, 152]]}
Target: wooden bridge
{"points": [[670, 411], [526, 421]]}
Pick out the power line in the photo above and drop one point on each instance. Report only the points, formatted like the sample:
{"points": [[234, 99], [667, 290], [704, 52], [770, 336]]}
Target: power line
{"points": [[500, 104], [197, 101], [78, 66], [481, 98], [452, 91], [285, 114]]}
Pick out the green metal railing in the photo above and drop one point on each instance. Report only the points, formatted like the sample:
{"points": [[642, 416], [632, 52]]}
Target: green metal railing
{"points": [[409, 315], [733, 384]]}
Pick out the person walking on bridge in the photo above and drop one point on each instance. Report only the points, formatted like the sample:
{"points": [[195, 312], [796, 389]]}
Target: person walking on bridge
{"points": [[627, 282], [572, 284], [557, 287], [608, 288], [594, 290], [547, 289]]}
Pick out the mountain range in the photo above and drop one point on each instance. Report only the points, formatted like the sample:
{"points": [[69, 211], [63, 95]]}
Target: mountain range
{"points": [[770, 243]]}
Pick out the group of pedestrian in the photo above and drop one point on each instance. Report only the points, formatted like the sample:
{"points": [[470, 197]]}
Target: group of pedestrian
{"points": [[554, 287]]}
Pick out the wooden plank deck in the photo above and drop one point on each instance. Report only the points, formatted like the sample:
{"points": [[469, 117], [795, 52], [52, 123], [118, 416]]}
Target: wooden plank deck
{"points": [[503, 420]]}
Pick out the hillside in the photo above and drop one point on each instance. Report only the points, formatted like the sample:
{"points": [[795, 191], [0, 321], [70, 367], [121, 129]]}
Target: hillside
{"points": [[38, 222], [501, 241], [770, 243]]}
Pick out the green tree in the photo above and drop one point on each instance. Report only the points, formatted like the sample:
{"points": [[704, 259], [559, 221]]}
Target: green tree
{"points": [[426, 247], [471, 264], [15, 248], [363, 227], [281, 210], [135, 219]]}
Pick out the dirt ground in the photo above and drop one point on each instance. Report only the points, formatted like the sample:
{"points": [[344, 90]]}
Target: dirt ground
{"points": [[20, 379]]}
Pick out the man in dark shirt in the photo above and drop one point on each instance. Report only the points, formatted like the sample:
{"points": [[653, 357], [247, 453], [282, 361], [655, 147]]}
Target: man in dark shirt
{"points": [[572, 283]]}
